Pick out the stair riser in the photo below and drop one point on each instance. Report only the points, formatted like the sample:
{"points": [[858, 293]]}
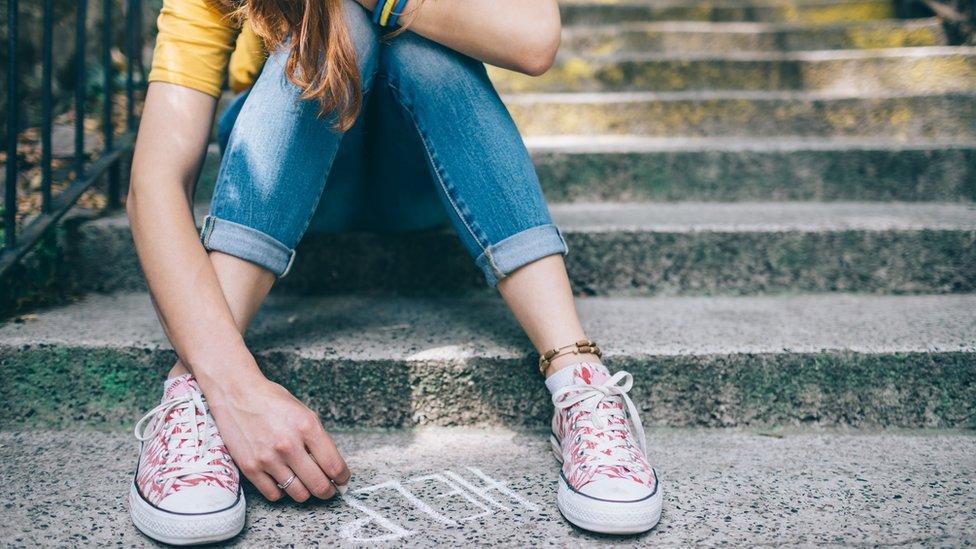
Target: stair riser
{"points": [[867, 10], [940, 174], [60, 386], [604, 41], [902, 117], [934, 74], [610, 263]]}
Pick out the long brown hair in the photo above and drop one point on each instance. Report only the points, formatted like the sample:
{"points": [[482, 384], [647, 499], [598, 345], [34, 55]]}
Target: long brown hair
{"points": [[322, 59]]}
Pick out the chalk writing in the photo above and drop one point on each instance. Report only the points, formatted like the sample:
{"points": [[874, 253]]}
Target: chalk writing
{"points": [[479, 496]]}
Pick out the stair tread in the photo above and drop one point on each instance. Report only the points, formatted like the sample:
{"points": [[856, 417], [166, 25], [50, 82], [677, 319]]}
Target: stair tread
{"points": [[680, 217], [740, 27], [764, 216], [920, 52], [716, 3], [824, 496], [608, 97], [448, 329], [639, 143]]}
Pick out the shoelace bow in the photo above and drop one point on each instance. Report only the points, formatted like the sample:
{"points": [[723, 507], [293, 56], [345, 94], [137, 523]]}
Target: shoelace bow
{"points": [[590, 397], [190, 457]]}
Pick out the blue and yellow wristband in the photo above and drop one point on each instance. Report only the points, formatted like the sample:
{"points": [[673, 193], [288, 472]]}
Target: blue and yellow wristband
{"points": [[388, 12]]}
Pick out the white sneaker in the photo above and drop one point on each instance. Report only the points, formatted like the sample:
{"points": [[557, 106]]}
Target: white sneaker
{"points": [[606, 484], [187, 489]]}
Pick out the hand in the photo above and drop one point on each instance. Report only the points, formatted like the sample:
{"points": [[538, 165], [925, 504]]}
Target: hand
{"points": [[272, 435]]}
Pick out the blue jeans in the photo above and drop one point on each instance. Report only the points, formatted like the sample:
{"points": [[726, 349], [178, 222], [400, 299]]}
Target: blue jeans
{"points": [[433, 143]]}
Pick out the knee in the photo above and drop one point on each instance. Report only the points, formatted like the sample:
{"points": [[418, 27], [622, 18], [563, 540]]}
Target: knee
{"points": [[412, 62], [364, 37]]}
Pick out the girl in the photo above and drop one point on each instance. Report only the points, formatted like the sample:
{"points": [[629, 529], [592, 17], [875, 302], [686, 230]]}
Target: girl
{"points": [[390, 134]]}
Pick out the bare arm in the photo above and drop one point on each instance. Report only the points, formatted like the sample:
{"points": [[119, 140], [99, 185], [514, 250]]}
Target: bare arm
{"points": [[268, 432], [173, 136], [521, 35]]}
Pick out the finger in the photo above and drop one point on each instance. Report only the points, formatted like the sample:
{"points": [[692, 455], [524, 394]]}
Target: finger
{"points": [[266, 485], [327, 456], [296, 490], [311, 475]]}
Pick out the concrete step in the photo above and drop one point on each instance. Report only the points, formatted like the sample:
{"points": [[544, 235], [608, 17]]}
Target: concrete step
{"points": [[630, 168], [707, 37], [639, 248], [746, 113], [737, 488], [825, 359], [574, 168], [807, 11], [932, 70]]}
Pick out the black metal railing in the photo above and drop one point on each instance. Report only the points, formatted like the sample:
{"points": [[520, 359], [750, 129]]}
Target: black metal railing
{"points": [[86, 172]]}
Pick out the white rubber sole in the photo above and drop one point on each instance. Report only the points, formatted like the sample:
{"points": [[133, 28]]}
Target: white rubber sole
{"points": [[179, 529], [606, 517]]}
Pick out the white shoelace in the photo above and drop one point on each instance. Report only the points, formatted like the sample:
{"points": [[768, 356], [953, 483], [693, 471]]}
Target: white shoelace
{"points": [[190, 457], [589, 397]]}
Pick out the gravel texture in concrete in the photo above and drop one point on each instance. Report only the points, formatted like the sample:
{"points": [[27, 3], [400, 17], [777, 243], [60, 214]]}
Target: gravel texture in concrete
{"points": [[935, 69], [634, 169], [711, 37], [825, 359], [804, 11], [497, 487], [636, 249], [746, 113]]}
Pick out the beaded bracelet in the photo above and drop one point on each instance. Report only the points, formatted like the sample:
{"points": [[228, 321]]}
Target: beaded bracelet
{"points": [[581, 347]]}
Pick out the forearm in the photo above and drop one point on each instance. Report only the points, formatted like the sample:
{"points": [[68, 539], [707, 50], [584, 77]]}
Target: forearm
{"points": [[182, 281], [521, 35]]}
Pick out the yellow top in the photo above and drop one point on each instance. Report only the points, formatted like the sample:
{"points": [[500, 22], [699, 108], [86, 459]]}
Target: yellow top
{"points": [[196, 44]]}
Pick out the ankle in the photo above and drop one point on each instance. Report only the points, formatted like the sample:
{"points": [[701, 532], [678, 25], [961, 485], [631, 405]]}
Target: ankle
{"points": [[177, 370], [566, 361]]}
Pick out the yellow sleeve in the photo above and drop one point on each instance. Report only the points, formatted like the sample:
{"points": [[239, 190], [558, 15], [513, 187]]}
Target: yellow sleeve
{"points": [[247, 60], [193, 46]]}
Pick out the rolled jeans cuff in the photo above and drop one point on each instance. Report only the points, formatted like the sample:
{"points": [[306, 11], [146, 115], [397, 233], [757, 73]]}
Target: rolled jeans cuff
{"points": [[520, 249], [248, 244]]}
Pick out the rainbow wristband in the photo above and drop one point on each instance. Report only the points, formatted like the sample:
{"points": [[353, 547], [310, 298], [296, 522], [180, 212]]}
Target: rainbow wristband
{"points": [[397, 12]]}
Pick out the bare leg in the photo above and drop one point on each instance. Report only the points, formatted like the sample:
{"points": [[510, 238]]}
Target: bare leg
{"points": [[244, 284], [540, 296]]}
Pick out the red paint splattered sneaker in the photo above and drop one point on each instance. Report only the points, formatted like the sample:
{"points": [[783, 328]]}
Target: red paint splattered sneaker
{"points": [[187, 488], [606, 484]]}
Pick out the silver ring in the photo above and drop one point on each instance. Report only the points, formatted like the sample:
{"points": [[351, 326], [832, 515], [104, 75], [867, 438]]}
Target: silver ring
{"points": [[287, 483]]}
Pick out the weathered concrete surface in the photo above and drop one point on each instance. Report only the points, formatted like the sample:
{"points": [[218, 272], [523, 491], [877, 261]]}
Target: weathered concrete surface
{"points": [[890, 70], [829, 359], [720, 488], [681, 248], [633, 169], [806, 11], [709, 37], [746, 113]]}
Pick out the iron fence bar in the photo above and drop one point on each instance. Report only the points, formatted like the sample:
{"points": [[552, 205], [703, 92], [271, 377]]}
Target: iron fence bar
{"points": [[139, 42], [80, 85], [18, 244], [62, 203], [130, 59], [47, 103], [10, 185], [108, 128]]}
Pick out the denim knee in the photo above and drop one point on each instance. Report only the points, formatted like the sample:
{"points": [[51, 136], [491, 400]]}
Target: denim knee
{"points": [[486, 177], [279, 154]]}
